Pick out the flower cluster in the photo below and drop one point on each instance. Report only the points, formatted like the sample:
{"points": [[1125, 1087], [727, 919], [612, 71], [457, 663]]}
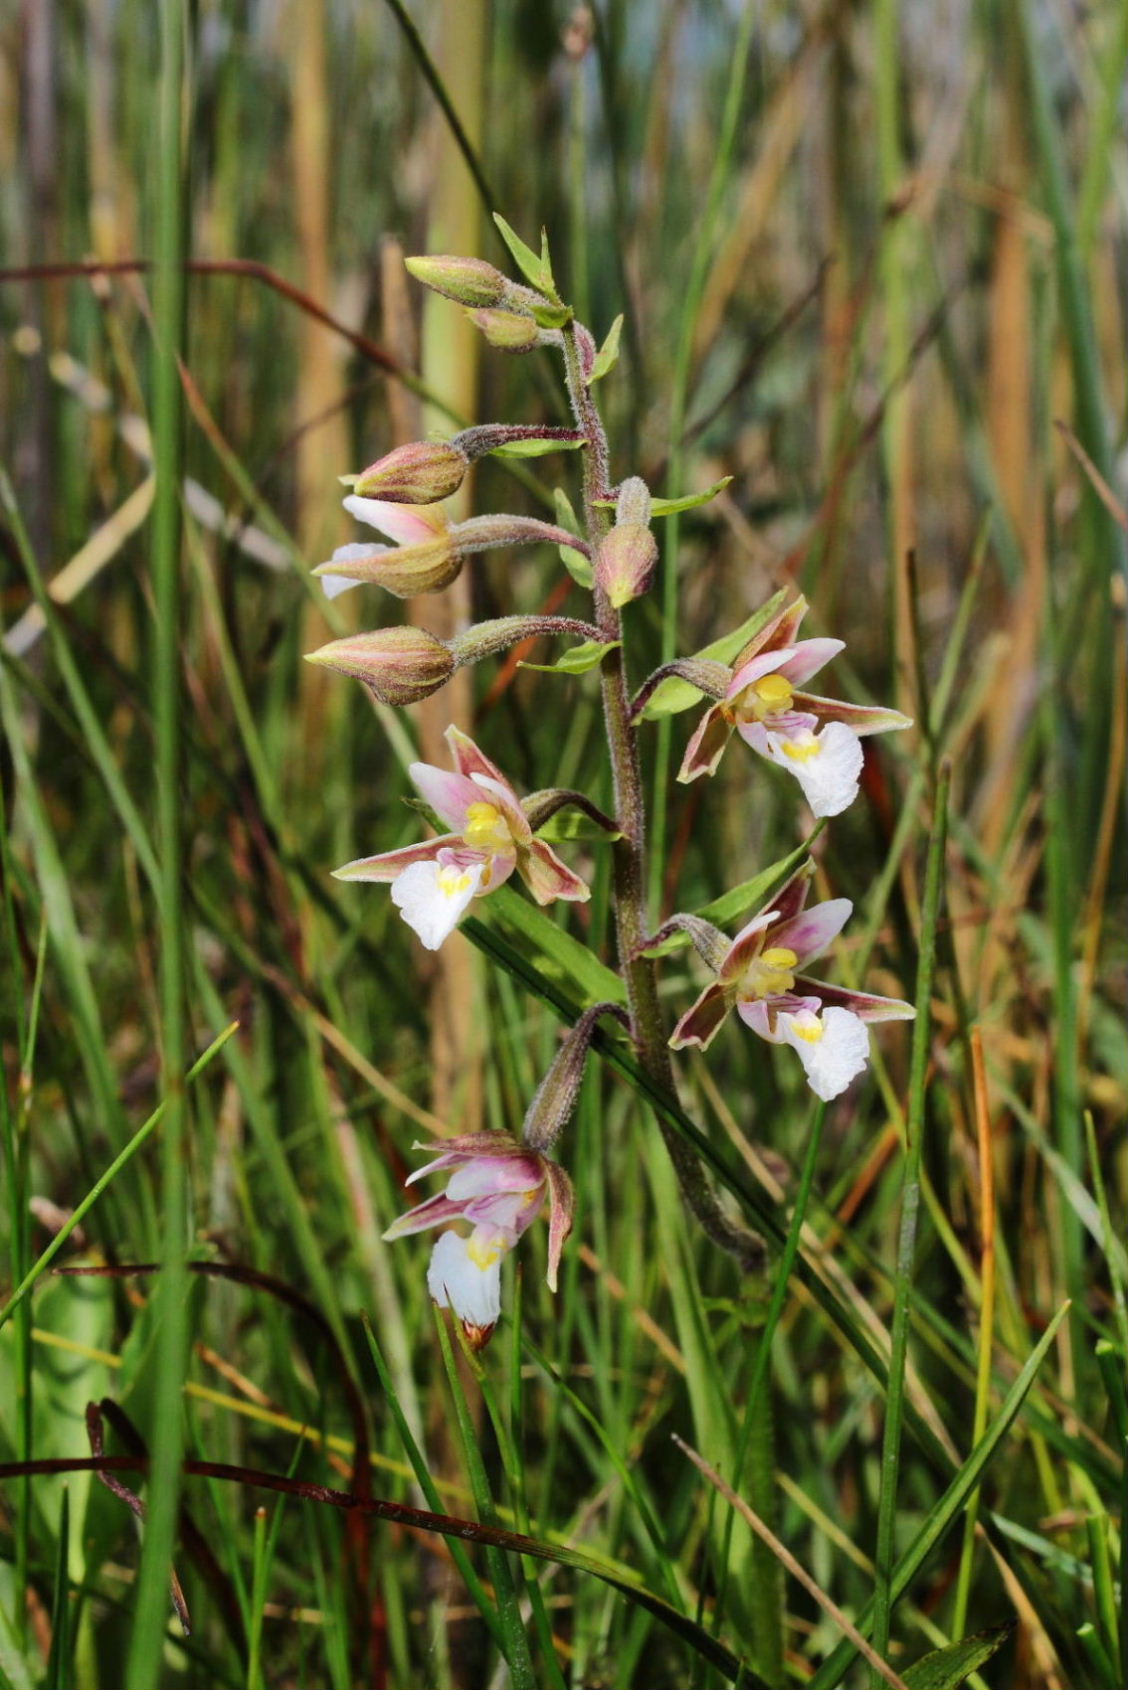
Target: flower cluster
{"points": [[497, 1186]]}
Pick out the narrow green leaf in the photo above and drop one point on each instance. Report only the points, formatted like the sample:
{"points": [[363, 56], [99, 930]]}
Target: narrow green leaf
{"points": [[532, 447], [60, 1667], [569, 825], [474, 1586], [578, 566], [947, 1668], [674, 507], [750, 893], [608, 355], [674, 694], [536, 271], [578, 659], [554, 954], [515, 1642]]}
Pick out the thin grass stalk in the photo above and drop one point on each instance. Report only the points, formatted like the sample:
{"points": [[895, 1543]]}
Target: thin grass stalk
{"points": [[910, 1208], [986, 1321], [151, 1611], [515, 1643], [751, 1436]]}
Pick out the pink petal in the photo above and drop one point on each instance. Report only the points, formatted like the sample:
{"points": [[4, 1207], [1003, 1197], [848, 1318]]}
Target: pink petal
{"points": [[809, 657], [405, 524], [776, 634], [469, 760], [448, 795], [391, 864], [809, 933], [863, 1004], [704, 750], [747, 944], [562, 1204], [486, 1176], [700, 1024], [434, 1212], [764, 663], [863, 718], [509, 1213], [792, 896], [548, 878]]}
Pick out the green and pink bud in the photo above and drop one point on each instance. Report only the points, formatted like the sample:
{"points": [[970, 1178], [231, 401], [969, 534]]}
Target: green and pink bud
{"points": [[398, 665], [468, 281], [418, 474], [509, 331], [628, 556]]}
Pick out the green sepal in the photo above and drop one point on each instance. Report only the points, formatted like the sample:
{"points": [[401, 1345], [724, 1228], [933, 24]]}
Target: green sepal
{"points": [[608, 355], [674, 694], [580, 658], [673, 507]]}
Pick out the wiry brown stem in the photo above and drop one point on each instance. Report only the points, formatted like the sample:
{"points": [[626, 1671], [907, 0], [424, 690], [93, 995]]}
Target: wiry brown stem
{"points": [[628, 877]]}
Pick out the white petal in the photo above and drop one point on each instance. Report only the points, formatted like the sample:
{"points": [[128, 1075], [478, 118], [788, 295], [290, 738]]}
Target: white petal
{"points": [[833, 1047], [826, 765], [334, 585], [472, 1288], [432, 897]]}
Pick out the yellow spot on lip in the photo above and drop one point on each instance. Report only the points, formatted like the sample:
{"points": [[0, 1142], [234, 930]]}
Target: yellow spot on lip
{"points": [[483, 1255], [810, 1032], [802, 750], [452, 881]]}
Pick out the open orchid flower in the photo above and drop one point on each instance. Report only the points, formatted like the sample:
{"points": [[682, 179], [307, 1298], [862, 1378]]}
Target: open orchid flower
{"points": [[499, 1187], [814, 739], [422, 560], [434, 883], [759, 977]]}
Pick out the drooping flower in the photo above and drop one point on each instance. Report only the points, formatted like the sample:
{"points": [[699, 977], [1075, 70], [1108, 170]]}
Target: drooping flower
{"points": [[814, 739], [435, 882], [759, 976], [430, 548], [424, 558], [499, 1187]]}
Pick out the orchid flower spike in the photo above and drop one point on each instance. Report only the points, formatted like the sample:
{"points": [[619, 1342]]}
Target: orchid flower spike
{"points": [[491, 836], [759, 977], [814, 739], [499, 1186]]}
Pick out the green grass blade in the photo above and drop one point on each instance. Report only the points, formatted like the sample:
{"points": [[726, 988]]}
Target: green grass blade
{"points": [[910, 1209]]}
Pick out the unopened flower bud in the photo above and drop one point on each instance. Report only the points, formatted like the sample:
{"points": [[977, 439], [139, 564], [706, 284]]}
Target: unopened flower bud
{"points": [[400, 665], [418, 474], [509, 331], [468, 281], [633, 503], [625, 563]]}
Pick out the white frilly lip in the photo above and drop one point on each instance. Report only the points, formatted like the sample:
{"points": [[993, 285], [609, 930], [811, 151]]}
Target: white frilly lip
{"points": [[833, 1047], [827, 765], [432, 897], [456, 1281]]}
